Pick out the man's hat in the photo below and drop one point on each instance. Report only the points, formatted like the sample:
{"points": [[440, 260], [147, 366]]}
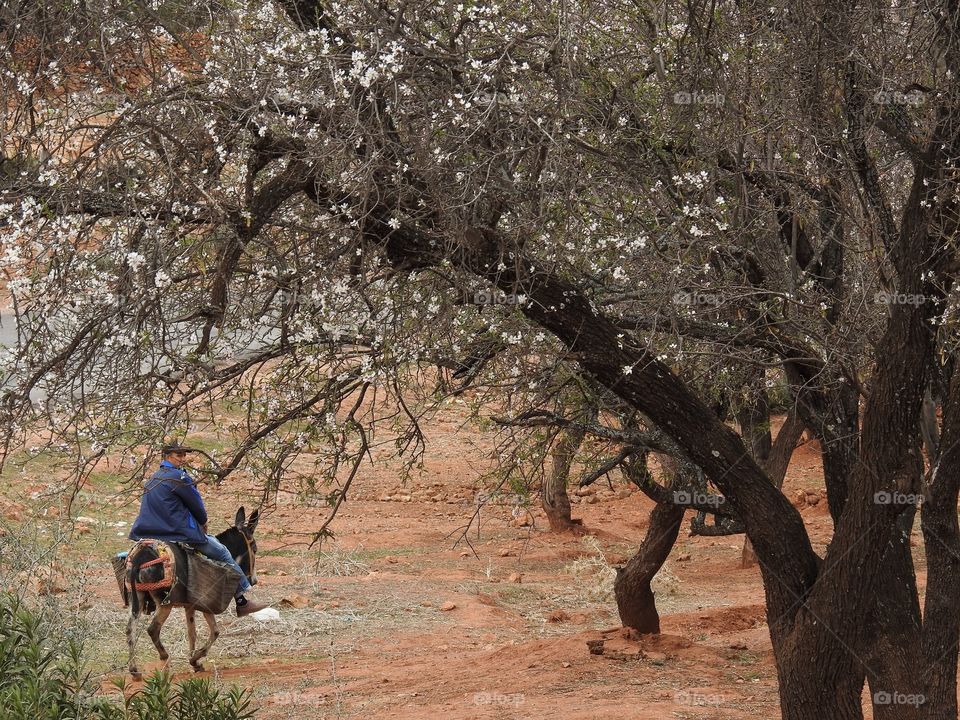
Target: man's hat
{"points": [[176, 447]]}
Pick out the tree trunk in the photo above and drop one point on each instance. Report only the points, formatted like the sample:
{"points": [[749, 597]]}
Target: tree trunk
{"points": [[941, 534], [807, 690], [636, 601], [754, 422], [893, 655], [831, 412], [776, 464], [556, 503], [929, 428]]}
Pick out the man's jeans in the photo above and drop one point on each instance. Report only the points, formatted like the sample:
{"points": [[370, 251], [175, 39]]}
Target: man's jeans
{"points": [[216, 550]]}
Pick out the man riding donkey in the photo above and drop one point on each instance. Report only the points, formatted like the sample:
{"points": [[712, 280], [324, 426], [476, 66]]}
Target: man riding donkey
{"points": [[172, 510]]}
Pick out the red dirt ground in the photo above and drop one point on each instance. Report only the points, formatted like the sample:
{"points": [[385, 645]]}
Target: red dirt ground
{"points": [[367, 635]]}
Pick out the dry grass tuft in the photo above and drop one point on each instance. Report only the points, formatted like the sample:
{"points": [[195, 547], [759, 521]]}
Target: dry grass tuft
{"points": [[340, 562], [593, 577]]}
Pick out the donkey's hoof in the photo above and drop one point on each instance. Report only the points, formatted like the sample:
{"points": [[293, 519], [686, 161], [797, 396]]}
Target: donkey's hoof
{"points": [[136, 675], [197, 667]]}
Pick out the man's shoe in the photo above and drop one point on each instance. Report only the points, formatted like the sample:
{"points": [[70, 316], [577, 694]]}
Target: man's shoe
{"points": [[250, 607]]}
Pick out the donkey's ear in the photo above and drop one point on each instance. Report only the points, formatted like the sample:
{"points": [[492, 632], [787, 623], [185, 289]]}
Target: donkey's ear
{"points": [[252, 522], [241, 516]]}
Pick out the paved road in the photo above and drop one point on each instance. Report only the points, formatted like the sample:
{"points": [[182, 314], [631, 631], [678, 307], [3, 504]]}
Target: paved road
{"points": [[8, 328], [257, 341]]}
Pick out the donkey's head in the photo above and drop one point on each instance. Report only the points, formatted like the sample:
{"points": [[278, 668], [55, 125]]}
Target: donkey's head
{"points": [[241, 544]]}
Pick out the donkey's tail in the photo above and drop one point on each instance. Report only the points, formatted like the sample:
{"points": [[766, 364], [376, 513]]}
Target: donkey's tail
{"points": [[132, 573]]}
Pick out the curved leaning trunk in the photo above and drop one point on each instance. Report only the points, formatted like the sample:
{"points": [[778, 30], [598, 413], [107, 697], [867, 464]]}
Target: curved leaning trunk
{"points": [[636, 601]]}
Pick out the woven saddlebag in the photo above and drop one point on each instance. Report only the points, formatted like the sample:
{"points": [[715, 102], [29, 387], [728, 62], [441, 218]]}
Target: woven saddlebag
{"points": [[211, 585]]}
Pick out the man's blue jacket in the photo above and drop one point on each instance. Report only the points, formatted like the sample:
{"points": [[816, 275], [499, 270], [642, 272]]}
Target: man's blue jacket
{"points": [[171, 508]]}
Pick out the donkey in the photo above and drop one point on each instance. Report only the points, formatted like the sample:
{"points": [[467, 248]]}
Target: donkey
{"points": [[241, 544]]}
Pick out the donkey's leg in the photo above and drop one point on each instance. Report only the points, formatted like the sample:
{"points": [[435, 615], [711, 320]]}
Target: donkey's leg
{"points": [[131, 645], [163, 612], [214, 634], [191, 631]]}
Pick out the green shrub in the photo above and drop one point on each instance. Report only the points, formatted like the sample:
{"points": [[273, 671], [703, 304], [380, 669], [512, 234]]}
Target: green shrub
{"points": [[193, 699], [39, 678], [43, 676]]}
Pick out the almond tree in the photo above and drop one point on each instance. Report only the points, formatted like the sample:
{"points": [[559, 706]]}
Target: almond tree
{"points": [[283, 205]]}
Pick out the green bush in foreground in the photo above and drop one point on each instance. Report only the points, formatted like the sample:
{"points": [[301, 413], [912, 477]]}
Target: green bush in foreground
{"points": [[43, 677], [193, 699], [40, 677]]}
